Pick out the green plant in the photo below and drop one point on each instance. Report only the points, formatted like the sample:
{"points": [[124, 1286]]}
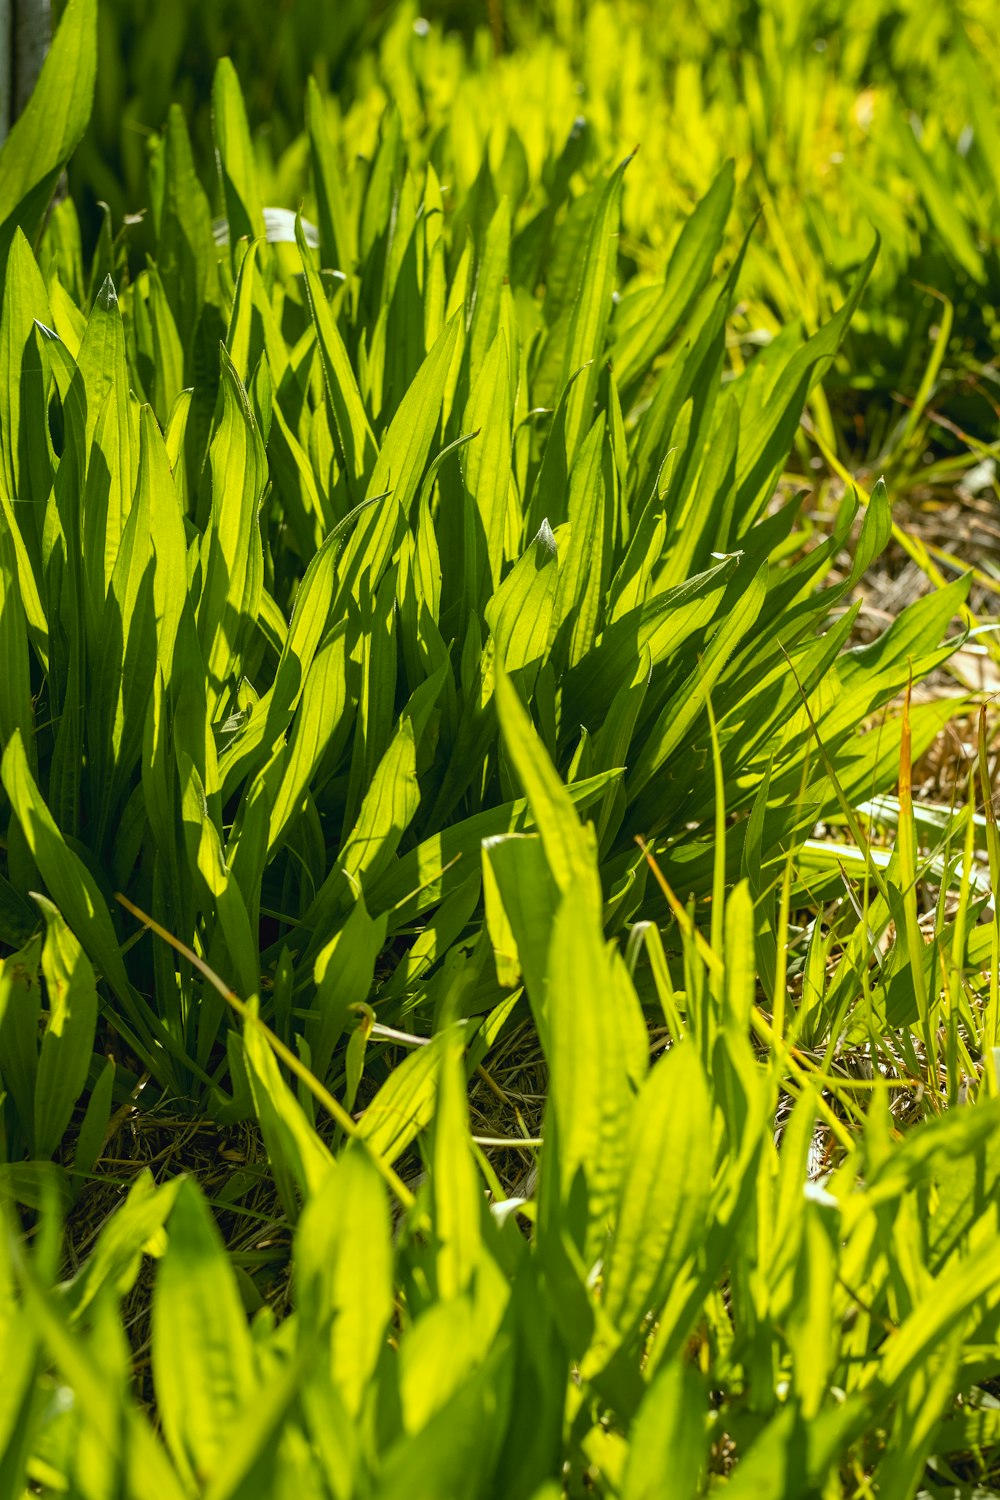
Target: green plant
{"points": [[410, 632], [578, 1339]]}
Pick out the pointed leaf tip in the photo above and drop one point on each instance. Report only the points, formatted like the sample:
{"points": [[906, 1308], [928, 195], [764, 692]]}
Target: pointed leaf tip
{"points": [[545, 536]]}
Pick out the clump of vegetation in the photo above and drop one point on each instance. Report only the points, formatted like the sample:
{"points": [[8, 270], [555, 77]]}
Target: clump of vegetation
{"points": [[484, 1013]]}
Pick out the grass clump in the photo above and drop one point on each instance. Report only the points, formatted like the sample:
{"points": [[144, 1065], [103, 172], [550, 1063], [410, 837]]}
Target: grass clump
{"points": [[423, 674]]}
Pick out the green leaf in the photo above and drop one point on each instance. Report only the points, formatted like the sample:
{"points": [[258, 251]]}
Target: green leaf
{"points": [[684, 707], [661, 626], [569, 848], [766, 433], [591, 308], [591, 1097], [322, 714], [94, 1125], [69, 881], [111, 474], [344, 971], [232, 551], [491, 273], [64, 1059], [645, 322], [20, 1016], [667, 1451], [576, 608], [337, 230], [26, 463], [203, 1361], [16, 707], [400, 465], [168, 375], [405, 1102], [455, 1182], [344, 1271], [426, 875], [356, 444], [186, 251], [521, 898], [520, 612], [299, 1159], [665, 1188], [209, 869], [134, 1229], [237, 168], [486, 461], [46, 134]]}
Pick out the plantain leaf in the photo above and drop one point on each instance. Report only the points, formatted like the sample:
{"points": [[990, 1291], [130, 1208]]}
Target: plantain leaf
{"points": [[68, 1041], [55, 117], [203, 1364]]}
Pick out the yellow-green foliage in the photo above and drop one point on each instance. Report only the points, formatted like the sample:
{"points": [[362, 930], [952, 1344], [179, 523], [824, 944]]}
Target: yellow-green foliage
{"points": [[413, 638]]}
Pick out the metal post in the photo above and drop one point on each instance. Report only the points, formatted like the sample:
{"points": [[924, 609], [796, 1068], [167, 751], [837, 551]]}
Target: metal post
{"points": [[25, 34], [32, 35], [6, 67]]}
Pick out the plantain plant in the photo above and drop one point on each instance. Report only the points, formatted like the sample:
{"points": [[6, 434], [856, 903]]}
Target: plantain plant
{"points": [[406, 631]]}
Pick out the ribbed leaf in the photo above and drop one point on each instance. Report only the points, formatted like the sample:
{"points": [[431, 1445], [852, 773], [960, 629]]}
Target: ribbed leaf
{"points": [[203, 1363]]}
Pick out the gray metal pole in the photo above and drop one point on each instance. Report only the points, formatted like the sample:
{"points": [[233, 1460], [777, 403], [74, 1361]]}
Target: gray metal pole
{"points": [[25, 34], [32, 35], [6, 68]]}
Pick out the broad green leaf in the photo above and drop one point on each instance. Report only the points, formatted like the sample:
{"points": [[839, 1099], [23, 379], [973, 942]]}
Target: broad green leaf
{"points": [[343, 971], [491, 272], [337, 230], [94, 1126], [64, 1057], [661, 626], [125, 1434], [767, 432], [344, 1271], [405, 1102], [576, 607], [322, 713], [203, 1362], [645, 323], [70, 883], [44, 137], [136, 604], [20, 1016], [299, 1159], [521, 898], [486, 461], [590, 1101], [27, 463], [402, 457], [591, 308], [426, 875], [237, 168], [569, 848], [520, 612], [16, 706], [209, 869], [667, 1451], [665, 1189], [455, 1181], [134, 1229], [687, 703], [454, 1452], [233, 560], [355, 440], [243, 347], [168, 379], [186, 251]]}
